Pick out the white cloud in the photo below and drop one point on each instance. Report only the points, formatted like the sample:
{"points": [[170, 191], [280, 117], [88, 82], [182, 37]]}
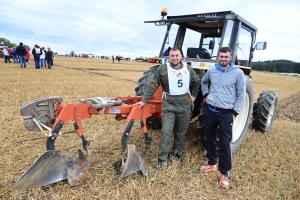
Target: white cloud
{"points": [[117, 27]]}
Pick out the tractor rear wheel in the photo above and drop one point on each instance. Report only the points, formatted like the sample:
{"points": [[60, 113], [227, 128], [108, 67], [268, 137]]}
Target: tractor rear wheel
{"points": [[264, 111], [144, 81], [152, 122], [241, 122]]}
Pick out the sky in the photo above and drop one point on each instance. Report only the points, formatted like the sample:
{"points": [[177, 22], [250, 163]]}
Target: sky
{"points": [[117, 26]]}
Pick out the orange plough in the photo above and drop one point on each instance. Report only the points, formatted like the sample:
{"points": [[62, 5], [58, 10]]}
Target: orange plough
{"points": [[50, 114]]}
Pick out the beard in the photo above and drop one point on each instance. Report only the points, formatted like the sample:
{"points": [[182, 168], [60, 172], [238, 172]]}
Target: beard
{"points": [[175, 63], [224, 64]]}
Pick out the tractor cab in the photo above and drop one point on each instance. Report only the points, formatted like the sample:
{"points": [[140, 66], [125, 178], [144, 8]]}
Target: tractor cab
{"points": [[200, 36]]}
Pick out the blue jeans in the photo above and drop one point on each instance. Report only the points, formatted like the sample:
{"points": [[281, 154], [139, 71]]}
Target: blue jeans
{"points": [[15, 58], [37, 63], [22, 61], [42, 63]]}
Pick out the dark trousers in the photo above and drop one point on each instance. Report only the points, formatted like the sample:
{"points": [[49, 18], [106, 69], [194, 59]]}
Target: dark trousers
{"points": [[50, 63], [7, 59], [221, 124]]}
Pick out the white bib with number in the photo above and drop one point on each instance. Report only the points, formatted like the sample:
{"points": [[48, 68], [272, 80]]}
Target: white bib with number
{"points": [[179, 80], [37, 51]]}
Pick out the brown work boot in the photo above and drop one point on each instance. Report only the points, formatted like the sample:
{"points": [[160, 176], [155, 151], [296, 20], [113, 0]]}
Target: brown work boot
{"points": [[224, 181], [208, 168]]}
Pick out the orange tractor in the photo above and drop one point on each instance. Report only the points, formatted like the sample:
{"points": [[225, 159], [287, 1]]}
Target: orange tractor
{"points": [[214, 30]]}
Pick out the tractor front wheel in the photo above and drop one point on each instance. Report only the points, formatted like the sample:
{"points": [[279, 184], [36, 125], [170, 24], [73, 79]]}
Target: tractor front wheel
{"points": [[264, 111]]}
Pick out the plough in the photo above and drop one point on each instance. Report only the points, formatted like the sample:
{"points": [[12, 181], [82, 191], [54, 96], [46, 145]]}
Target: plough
{"points": [[50, 114]]}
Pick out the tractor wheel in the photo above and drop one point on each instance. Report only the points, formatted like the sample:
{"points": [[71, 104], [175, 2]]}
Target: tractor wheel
{"points": [[144, 81], [1, 54], [241, 122], [152, 122], [264, 111], [201, 119]]}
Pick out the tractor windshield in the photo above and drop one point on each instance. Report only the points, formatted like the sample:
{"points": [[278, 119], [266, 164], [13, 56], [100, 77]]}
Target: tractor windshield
{"points": [[196, 39]]}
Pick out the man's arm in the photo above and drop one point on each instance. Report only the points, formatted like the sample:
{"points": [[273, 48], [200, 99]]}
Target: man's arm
{"points": [[152, 87], [240, 94], [195, 83], [204, 84]]}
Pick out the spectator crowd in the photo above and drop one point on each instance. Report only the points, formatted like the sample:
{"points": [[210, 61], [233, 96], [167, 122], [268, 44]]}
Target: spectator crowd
{"points": [[21, 54]]}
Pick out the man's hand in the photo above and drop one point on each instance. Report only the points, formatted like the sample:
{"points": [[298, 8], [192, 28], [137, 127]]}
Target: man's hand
{"points": [[140, 103], [193, 99], [206, 100]]}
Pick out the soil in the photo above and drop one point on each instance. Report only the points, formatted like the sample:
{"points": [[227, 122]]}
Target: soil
{"points": [[289, 108]]}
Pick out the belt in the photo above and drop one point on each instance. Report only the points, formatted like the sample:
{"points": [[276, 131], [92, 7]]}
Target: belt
{"points": [[218, 110]]}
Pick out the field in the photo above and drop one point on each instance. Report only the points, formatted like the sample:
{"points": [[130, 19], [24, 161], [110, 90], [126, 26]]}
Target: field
{"points": [[266, 166]]}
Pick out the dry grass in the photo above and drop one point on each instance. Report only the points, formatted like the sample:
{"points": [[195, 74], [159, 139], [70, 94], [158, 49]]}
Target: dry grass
{"points": [[265, 167]]}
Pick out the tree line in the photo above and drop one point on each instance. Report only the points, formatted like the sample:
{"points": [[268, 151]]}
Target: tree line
{"points": [[284, 66], [8, 43]]}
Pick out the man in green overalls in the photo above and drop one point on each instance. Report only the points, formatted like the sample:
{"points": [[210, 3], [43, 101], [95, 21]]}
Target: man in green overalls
{"points": [[176, 78]]}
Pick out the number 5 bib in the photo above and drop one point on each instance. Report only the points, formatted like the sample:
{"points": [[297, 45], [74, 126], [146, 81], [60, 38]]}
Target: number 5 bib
{"points": [[179, 80]]}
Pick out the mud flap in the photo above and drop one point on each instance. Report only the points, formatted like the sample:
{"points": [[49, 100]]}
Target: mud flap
{"points": [[131, 162], [51, 167]]}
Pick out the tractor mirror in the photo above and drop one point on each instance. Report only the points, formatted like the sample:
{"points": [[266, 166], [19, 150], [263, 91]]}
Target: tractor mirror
{"points": [[261, 46], [211, 44]]}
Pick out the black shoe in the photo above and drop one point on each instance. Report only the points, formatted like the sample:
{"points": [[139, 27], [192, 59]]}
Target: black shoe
{"points": [[176, 156], [161, 163]]}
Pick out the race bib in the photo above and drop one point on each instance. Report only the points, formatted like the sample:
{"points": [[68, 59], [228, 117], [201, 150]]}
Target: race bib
{"points": [[179, 80]]}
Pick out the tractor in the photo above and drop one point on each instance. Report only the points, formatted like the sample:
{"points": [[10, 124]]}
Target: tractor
{"points": [[199, 37]]}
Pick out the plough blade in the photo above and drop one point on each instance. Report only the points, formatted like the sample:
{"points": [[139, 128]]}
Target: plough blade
{"points": [[51, 167], [132, 161]]}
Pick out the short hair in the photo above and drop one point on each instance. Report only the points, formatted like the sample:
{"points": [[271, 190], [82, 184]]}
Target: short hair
{"points": [[174, 49], [225, 49]]}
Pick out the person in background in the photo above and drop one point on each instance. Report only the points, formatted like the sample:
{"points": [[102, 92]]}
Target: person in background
{"points": [[49, 58], [15, 55], [224, 90], [6, 54], [21, 51], [113, 58], [42, 58], [36, 52], [27, 56]]}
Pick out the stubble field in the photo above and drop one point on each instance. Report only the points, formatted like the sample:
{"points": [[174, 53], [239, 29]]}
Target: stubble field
{"points": [[266, 166]]}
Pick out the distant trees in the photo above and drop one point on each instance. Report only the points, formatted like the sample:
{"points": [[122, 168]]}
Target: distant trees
{"points": [[8, 43], [284, 66]]}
